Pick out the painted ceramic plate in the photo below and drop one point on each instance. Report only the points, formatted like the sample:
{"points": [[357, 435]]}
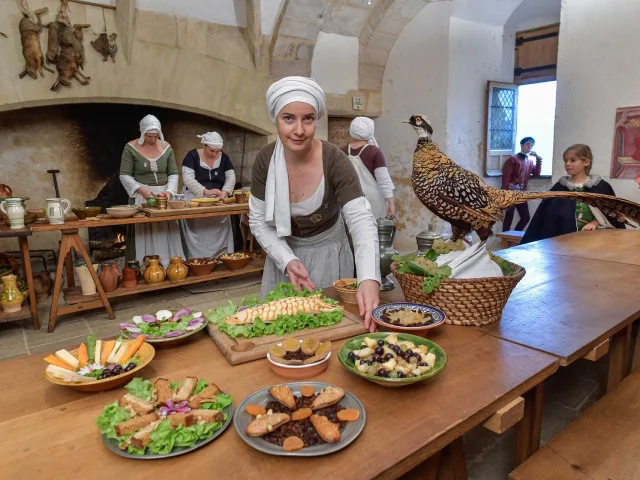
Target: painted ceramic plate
{"points": [[355, 342], [347, 435], [171, 341], [113, 444], [437, 315]]}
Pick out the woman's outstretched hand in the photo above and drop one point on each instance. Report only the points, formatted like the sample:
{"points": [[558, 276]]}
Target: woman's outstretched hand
{"points": [[298, 276], [368, 299]]}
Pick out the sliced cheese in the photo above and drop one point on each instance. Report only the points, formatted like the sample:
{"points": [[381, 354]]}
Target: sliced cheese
{"points": [[121, 351], [111, 358], [59, 372], [67, 357], [96, 358]]}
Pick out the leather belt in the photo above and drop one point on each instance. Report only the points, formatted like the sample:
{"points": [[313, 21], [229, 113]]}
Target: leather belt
{"points": [[156, 185]]}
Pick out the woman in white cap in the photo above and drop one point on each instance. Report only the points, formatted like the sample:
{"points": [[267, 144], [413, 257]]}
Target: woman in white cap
{"points": [[207, 172], [148, 167], [371, 166], [301, 191]]}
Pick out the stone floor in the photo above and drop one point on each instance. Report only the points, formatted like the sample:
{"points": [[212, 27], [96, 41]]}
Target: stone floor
{"points": [[489, 456]]}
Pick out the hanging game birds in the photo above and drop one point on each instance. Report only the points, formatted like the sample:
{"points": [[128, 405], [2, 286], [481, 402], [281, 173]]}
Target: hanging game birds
{"points": [[469, 204]]}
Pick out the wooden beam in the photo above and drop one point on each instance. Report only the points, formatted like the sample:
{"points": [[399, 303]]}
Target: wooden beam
{"points": [[598, 352], [125, 19], [506, 417], [254, 34], [94, 4]]}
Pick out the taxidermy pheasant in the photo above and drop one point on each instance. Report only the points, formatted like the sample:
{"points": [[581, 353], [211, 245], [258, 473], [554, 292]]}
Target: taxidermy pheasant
{"points": [[465, 201]]}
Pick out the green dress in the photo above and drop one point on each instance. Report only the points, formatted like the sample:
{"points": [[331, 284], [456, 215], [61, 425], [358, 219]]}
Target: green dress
{"points": [[584, 215], [157, 175]]}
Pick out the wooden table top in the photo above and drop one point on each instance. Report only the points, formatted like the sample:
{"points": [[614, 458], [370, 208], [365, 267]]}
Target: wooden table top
{"points": [[107, 222], [567, 305], [610, 245], [48, 428], [7, 232]]}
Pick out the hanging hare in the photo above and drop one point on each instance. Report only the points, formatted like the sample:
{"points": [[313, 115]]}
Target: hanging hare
{"points": [[30, 37]]}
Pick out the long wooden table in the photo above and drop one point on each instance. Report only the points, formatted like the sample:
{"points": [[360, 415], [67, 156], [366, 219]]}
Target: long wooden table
{"points": [[49, 430], [71, 240], [580, 290]]}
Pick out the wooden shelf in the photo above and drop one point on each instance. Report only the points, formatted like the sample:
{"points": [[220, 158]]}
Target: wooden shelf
{"points": [[24, 312], [73, 296]]}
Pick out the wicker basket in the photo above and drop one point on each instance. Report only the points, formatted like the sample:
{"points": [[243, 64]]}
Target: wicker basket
{"points": [[465, 301]]}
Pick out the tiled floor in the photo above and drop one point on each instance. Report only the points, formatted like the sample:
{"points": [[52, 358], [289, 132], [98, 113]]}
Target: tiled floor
{"points": [[489, 456]]}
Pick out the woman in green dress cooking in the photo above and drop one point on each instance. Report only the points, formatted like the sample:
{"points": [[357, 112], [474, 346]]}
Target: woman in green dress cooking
{"points": [[148, 167]]}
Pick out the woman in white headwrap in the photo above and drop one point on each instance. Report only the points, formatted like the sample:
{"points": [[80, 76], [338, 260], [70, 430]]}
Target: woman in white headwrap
{"points": [[148, 167], [371, 166], [207, 172], [302, 188]]}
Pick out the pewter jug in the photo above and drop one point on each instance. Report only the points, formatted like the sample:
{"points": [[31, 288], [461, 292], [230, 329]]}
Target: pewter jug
{"points": [[426, 238], [386, 235]]}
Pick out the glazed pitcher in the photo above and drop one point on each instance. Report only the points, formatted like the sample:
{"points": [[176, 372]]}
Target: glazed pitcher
{"points": [[11, 297], [154, 273], [12, 208], [55, 210], [177, 270]]}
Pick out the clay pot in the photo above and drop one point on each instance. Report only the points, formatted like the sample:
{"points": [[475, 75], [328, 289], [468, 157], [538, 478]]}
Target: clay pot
{"points": [[177, 270], [109, 275], [129, 277], [11, 297], [154, 273], [135, 264], [87, 285], [42, 284]]}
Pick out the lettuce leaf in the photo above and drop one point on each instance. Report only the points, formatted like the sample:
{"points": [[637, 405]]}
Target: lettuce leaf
{"points": [[135, 359], [284, 324], [161, 328], [140, 388], [91, 347], [200, 385], [111, 415], [223, 401], [174, 385]]}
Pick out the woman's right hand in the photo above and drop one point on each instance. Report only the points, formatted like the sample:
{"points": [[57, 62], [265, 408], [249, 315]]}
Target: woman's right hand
{"points": [[298, 276], [144, 192]]}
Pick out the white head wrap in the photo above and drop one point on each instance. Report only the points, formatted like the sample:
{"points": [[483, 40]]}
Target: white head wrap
{"points": [[212, 139], [280, 94], [150, 124], [362, 128]]}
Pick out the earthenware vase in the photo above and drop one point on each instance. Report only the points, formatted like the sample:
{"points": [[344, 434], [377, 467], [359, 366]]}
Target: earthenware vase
{"points": [[11, 297], [177, 270], [13, 209], [154, 273], [56, 211], [129, 277], [109, 275]]}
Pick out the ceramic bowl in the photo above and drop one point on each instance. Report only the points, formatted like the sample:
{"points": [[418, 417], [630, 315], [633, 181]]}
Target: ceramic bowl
{"points": [[437, 314], [346, 295], [299, 372], [123, 211], [232, 264], [177, 203], [199, 270], [355, 342], [86, 212], [146, 351]]}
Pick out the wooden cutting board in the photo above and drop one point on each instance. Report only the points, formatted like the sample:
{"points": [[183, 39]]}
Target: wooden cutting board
{"points": [[155, 212], [243, 350]]}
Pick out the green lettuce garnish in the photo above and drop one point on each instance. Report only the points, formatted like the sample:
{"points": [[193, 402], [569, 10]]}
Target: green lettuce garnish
{"points": [[432, 276], [164, 439], [159, 329], [112, 415], [91, 347], [200, 385], [135, 359], [140, 388], [284, 324], [223, 401], [174, 385]]}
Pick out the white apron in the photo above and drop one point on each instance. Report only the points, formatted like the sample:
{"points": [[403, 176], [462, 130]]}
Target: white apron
{"points": [[157, 238], [369, 186], [205, 236]]}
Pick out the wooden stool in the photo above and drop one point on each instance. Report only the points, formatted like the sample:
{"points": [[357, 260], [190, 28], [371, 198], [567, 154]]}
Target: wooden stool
{"points": [[603, 443], [510, 238]]}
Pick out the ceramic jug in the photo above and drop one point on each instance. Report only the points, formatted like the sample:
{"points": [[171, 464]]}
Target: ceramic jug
{"points": [[11, 297], [109, 275], [154, 273], [129, 277], [177, 270], [386, 235], [145, 262], [87, 285], [13, 209], [5, 191], [55, 211], [135, 265]]}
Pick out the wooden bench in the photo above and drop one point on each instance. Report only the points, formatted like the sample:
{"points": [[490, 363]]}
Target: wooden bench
{"points": [[603, 444], [510, 238]]}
